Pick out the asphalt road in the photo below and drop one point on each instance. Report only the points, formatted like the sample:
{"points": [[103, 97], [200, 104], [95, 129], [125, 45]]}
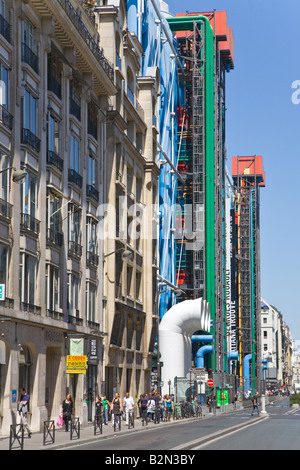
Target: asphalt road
{"points": [[279, 432], [177, 437]]}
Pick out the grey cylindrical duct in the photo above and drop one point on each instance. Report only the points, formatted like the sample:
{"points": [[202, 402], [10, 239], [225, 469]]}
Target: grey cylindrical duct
{"points": [[175, 331]]}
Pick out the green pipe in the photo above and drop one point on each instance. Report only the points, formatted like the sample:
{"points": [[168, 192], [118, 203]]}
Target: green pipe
{"points": [[186, 23]]}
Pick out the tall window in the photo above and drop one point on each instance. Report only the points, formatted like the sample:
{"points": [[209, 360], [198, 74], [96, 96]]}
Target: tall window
{"points": [[74, 154], [28, 281], [91, 235], [4, 82], [92, 171], [28, 112], [53, 212], [73, 294], [74, 223], [53, 134], [3, 264], [29, 196], [91, 292], [28, 34], [4, 176], [52, 288]]}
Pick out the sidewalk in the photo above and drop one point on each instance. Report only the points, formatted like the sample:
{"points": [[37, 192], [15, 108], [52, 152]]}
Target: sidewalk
{"points": [[62, 438]]}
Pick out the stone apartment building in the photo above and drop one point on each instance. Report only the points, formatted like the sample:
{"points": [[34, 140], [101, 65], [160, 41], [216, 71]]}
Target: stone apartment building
{"points": [[72, 120]]}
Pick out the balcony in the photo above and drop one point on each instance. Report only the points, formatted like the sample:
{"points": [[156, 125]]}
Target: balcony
{"points": [[55, 160], [92, 129], [28, 138], [87, 37], [26, 307], [74, 248], [6, 118], [92, 192], [30, 58], [75, 108], [30, 223], [74, 177], [54, 86], [5, 209], [5, 28], [92, 258], [55, 315], [54, 237]]}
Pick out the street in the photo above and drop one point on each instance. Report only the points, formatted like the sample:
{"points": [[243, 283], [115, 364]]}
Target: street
{"points": [[279, 432], [265, 434]]}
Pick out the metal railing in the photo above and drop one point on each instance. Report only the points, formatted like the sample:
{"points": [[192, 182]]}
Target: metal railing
{"points": [[28, 222], [29, 138], [6, 118], [16, 437], [54, 85], [87, 37], [5, 209], [74, 177], [92, 192], [5, 28], [49, 432], [30, 58], [55, 237], [74, 248], [54, 159], [75, 428]]}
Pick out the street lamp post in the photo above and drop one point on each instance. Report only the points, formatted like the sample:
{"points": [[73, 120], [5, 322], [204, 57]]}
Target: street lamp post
{"points": [[18, 175]]}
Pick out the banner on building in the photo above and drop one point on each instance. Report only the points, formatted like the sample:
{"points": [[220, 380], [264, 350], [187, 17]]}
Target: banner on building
{"points": [[230, 293], [76, 364]]}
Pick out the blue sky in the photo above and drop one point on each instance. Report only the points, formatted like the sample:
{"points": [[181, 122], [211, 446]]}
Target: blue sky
{"points": [[262, 120]]}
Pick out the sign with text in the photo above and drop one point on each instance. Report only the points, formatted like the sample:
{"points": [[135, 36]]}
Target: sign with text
{"points": [[2, 291], [76, 364]]}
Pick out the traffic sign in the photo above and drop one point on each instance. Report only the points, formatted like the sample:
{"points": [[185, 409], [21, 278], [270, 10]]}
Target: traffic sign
{"points": [[210, 383]]}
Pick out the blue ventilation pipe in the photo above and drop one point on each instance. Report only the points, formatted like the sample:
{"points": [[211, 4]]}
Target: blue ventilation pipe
{"points": [[246, 364], [132, 16], [202, 338], [201, 353]]}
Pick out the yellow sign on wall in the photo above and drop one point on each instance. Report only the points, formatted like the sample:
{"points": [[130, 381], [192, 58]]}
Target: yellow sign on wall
{"points": [[76, 364]]}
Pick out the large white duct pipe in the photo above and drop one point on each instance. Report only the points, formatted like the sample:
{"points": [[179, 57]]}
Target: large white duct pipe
{"points": [[175, 331]]}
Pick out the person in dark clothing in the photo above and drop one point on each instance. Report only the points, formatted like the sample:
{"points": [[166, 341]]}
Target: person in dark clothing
{"points": [[98, 409], [67, 410], [255, 403]]}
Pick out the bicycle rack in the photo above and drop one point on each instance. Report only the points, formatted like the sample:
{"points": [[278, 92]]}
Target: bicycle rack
{"points": [[16, 436], [49, 432], [98, 425], [75, 428]]}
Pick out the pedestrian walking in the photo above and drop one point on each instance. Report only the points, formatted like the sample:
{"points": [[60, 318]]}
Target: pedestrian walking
{"points": [[128, 404], [151, 408], [143, 405], [67, 410], [116, 407], [106, 407], [23, 408], [98, 409], [255, 403], [169, 407]]}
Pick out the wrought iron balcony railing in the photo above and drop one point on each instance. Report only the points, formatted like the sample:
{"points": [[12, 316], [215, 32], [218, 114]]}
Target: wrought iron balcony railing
{"points": [[30, 223], [74, 177], [30, 58], [54, 159], [28, 138], [6, 118]]}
